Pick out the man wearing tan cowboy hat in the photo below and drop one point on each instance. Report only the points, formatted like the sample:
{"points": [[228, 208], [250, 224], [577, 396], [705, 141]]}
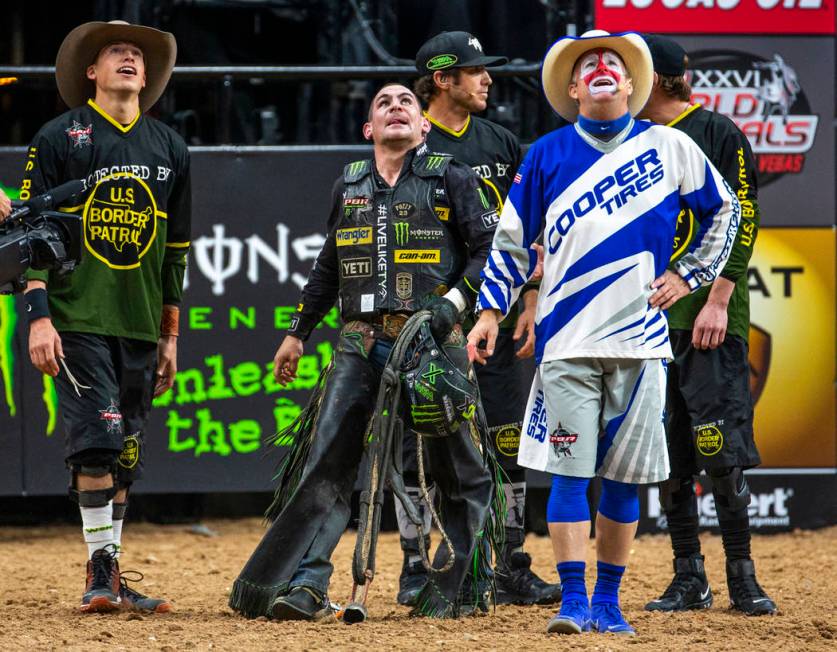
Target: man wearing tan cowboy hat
{"points": [[108, 332], [605, 192]]}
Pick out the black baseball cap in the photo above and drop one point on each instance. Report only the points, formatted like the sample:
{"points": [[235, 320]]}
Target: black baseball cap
{"points": [[453, 50], [668, 56]]}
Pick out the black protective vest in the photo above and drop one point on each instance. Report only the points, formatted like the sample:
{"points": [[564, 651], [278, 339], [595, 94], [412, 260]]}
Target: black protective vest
{"points": [[395, 245]]}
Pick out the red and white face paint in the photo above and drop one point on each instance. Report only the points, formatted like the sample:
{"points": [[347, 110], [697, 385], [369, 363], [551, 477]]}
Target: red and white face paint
{"points": [[602, 71]]}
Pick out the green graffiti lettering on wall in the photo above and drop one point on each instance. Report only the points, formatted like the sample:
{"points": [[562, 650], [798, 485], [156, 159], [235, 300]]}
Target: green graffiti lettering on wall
{"points": [[8, 320], [51, 403], [8, 323]]}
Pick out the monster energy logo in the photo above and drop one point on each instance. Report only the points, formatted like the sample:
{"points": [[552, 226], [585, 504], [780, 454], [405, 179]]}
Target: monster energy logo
{"points": [[434, 162], [402, 233], [356, 167], [8, 322], [483, 198], [431, 413], [432, 372]]}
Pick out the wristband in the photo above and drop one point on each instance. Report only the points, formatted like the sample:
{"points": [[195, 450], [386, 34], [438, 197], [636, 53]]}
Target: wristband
{"points": [[170, 323], [37, 305]]}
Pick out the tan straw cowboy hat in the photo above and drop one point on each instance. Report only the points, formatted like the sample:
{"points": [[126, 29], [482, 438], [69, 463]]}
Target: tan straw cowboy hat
{"points": [[558, 64], [83, 44]]}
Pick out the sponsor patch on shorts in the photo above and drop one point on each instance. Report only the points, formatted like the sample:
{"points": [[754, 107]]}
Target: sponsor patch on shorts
{"points": [[130, 454], [709, 440], [507, 439]]}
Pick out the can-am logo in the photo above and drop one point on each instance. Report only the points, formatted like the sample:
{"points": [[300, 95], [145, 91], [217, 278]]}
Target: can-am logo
{"points": [[769, 509], [765, 99]]}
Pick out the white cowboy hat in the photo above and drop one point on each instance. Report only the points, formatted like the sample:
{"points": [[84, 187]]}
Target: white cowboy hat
{"points": [[83, 44], [558, 64]]}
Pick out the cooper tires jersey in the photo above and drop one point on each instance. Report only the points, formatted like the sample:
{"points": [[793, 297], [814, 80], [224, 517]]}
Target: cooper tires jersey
{"points": [[729, 150], [137, 219], [608, 215]]}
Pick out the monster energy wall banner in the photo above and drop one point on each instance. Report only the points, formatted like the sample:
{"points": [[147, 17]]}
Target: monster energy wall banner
{"points": [[258, 224], [259, 220]]}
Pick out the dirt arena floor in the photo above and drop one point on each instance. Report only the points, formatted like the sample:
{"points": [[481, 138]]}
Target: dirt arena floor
{"points": [[42, 573]]}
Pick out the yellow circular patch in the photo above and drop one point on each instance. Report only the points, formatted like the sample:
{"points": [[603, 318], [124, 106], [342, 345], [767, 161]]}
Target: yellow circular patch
{"points": [[508, 440], [130, 454], [120, 220], [709, 440]]}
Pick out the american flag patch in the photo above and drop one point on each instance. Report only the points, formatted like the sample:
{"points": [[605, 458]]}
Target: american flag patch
{"points": [[517, 178]]}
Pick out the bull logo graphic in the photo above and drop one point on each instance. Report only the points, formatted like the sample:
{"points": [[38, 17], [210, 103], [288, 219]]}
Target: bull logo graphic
{"points": [[562, 441], [779, 91]]}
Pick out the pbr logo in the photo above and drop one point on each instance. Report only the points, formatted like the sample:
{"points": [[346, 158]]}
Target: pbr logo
{"points": [[765, 99], [562, 441], [111, 416], [80, 135]]}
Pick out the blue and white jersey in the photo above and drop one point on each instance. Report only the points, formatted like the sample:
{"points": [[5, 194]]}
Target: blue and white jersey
{"points": [[608, 215]]}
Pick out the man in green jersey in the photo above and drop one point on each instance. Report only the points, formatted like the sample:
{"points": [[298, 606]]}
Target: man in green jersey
{"points": [[108, 332], [709, 406], [454, 85]]}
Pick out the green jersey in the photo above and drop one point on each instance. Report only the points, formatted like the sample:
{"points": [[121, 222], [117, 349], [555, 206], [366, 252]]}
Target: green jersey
{"points": [[136, 209], [729, 151]]}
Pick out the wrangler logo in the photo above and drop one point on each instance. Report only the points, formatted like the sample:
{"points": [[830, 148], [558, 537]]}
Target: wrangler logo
{"points": [[356, 267], [354, 236], [418, 256]]}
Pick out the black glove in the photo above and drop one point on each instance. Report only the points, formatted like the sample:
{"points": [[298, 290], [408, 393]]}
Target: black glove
{"points": [[445, 316]]}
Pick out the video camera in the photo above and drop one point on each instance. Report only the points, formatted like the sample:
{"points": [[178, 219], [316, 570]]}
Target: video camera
{"points": [[33, 236]]}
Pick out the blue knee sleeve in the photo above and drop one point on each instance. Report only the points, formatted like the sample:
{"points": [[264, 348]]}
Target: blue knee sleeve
{"points": [[568, 500], [620, 501]]}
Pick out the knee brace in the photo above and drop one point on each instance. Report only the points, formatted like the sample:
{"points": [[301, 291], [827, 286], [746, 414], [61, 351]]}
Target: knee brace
{"points": [[677, 494], [95, 465], [568, 500], [730, 488], [619, 501]]}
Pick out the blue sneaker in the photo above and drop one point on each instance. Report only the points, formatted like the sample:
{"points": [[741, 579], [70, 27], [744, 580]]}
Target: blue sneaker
{"points": [[573, 618], [608, 619]]}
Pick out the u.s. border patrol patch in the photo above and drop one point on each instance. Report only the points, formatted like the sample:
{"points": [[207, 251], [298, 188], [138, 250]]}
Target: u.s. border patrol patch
{"points": [[120, 220], [507, 439], [709, 440], [129, 457]]}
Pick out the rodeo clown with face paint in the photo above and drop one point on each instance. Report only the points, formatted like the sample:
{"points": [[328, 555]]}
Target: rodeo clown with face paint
{"points": [[606, 192], [380, 277], [112, 324]]}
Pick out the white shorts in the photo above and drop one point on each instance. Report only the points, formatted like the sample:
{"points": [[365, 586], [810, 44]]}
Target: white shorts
{"points": [[592, 416]]}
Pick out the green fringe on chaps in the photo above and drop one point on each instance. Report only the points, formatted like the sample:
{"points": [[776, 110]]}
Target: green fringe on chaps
{"points": [[302, 431]]}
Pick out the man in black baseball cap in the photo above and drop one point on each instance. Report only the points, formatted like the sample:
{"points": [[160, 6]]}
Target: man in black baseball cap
{"points": [[454, 86], [453, 50], [668, 56]]}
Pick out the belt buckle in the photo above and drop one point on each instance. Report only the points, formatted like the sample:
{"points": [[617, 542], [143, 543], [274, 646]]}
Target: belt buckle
{"points": [[392, 325]]}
